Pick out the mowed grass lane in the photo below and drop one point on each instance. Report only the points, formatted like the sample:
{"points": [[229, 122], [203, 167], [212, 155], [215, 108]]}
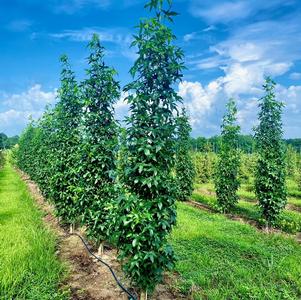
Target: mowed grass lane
{"points": [[225, 259], [29, 268]]}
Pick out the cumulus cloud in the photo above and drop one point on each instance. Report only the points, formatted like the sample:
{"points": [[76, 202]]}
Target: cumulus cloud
{"points": [[16, 109], [206, 106], [246, 57], [121, 106]]}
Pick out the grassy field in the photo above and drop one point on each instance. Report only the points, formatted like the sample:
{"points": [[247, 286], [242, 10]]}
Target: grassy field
{"points": [[224, 259], [290, 219], [29, 268], [217, 258]]}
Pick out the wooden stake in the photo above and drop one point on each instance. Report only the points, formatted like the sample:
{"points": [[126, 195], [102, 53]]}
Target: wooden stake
{"points": [[71, 228], [101, 249], [143, 295]]}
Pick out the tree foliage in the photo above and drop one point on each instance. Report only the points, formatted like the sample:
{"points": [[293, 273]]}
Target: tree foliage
{"points": [[7, 142], [204, 164], [185, 171], [227, 169], [67, 117], [100, 137], [270, 173], [149, 212], [70, 151]]}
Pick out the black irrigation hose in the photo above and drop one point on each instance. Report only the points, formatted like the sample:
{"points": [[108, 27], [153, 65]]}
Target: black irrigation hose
{"points": [[131, 297]]}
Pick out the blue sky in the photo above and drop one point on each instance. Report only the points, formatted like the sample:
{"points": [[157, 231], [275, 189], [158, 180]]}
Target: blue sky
{"points": [[230, 47]]}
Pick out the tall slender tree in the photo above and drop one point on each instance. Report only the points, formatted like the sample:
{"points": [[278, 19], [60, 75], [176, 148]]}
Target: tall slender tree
{"points": [[270, 174], [149, 212], [66, 122], [227, 168], [185, 171], [100, 130]]}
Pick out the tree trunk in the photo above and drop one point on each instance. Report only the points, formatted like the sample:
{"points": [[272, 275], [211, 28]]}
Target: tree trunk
{"points": [[71, 228], [101, 249], [143, 295]]}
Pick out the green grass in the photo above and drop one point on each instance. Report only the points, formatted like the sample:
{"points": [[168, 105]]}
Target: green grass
{"points": [[290, 219], [224, 259], [29, 268]]}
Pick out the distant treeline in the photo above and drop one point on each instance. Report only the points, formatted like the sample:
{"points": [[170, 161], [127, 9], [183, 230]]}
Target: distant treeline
{"points": [[8, 142], [245, 142]]}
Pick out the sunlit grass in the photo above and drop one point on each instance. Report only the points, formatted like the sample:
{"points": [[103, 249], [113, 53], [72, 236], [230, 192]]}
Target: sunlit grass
{"points": [[29, 268], [290, 220], [224, 259]]}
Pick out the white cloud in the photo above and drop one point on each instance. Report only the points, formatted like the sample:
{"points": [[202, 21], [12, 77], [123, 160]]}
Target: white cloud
{"points": [[206, 105], [291, 96], [117, 36], [221, 11], [199, 101], [121, 106], [85, 35], [32, 99], [15, 109], [295, 76], [189, 36]]}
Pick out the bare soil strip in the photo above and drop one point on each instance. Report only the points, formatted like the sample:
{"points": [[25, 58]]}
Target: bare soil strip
{"points": [[88, 279]]}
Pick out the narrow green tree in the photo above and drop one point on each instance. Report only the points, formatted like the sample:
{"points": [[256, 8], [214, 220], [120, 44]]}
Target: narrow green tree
{"points": [[149, 212], [299, 174], [270, 173], [185, 171], [226, 177], [100, 92], [66, 123]]}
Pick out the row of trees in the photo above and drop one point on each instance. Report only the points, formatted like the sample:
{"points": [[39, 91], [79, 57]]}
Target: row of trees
{"points": [[246, 143], [1, 159], [271, 163], [7, 142], [119, 183]]}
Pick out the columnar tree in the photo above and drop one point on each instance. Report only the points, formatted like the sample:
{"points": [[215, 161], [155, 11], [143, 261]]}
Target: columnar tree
{"points": [[185, 171], [291, 161], [66, 122], [227, 169], [46, 148], [299, 175], [24, 154], [149, 211], [270, 173], [99, 91]]}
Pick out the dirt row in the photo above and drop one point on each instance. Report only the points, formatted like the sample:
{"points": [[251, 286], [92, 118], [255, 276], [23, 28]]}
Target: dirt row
{"points": [[87, 279]]}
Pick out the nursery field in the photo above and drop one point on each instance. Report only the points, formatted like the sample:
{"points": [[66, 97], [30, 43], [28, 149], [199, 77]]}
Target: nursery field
{"points": [[217, 258], [289, 221], [87, 198]]}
